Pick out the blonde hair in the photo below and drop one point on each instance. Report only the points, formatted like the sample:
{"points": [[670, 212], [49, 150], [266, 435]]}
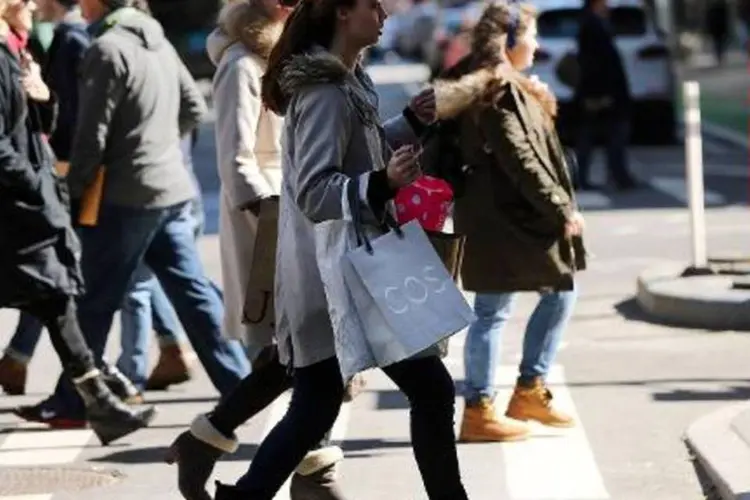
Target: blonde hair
{"points": [[249, 22]]}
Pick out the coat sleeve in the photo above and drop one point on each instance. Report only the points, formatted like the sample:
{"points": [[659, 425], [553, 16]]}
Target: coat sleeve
{"points": [[322, 131], [102, 87], [502, 126], [238, 107]]}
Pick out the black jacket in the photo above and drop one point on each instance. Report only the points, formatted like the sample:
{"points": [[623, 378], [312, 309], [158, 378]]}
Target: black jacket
{"points": [[69, 44], [602, 73], [39, 252]]}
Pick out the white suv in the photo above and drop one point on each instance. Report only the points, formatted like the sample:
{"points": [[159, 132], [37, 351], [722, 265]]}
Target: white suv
{"points": [[644, 51]]}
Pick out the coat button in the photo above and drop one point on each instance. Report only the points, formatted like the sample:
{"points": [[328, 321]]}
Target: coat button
{"points": [[555, 199]]}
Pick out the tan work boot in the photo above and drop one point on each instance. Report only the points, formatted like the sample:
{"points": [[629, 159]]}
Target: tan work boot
{"points": [[534, 402], [12, 376], [172, 368], [481, 424]]}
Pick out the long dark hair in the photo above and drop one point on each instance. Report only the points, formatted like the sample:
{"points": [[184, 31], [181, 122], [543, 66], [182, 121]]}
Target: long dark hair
{"points": [[313, 22]]}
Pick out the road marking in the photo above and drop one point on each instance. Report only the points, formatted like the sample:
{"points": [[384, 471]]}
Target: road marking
{"points": [[277, 412], [677, 188], [554, 464], [591, 200], [46, 496], [43, 447]]}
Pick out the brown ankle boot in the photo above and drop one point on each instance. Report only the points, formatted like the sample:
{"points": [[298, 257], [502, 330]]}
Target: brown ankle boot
{"points": [[534, 402], [481, 424], [172, 368], [12, 376]]}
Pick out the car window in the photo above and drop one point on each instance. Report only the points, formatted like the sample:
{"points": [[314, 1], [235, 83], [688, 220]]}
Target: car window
{"points": [[563, 23]]}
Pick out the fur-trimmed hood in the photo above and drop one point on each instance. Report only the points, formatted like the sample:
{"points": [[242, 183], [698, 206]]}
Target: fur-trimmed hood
{"points": [[455, 96], [315, 67], [320, 66], [246, 23]]}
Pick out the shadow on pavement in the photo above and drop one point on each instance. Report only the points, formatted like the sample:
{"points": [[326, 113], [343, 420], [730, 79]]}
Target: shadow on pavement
{"points": [[357, 448]]}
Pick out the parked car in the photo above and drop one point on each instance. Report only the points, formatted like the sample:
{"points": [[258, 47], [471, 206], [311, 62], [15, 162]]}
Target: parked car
{"points": [[644, 50]]}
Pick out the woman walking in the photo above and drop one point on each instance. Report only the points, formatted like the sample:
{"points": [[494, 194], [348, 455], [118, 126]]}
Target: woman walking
{"points": [[39, 251], [332, 138], [519, 215], [249, 162]]}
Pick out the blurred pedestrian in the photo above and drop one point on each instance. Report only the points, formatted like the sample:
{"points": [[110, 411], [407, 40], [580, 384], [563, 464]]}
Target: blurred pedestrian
{"points": [[718, 28], [39, 251], [602, 98], [137, 101]]}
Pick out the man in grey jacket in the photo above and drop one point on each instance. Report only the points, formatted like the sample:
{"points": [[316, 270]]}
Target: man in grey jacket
{"points": [[137, 99]]}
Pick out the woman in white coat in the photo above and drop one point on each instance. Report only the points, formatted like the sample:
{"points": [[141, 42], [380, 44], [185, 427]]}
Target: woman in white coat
{"points": [[248, 147]]}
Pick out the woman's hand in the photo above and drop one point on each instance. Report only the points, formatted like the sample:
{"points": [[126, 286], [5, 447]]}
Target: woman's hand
{"points": [[31, 80], [403, 168], [575, 225], [424, 105]]}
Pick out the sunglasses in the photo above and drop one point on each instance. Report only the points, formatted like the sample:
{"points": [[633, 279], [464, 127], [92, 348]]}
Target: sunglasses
{"points": [[288, 3]]}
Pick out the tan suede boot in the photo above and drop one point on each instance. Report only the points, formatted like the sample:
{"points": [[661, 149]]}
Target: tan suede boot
{"points": [[12, 376], [534, 402], [172, 368], [482, 424]]}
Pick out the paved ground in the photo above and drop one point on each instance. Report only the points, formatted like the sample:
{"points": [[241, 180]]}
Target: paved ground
{"points": [[634, 385]]}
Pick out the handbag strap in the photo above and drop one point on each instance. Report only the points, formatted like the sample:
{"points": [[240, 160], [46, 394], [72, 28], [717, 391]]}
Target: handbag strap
{"points": [[389, 222]]}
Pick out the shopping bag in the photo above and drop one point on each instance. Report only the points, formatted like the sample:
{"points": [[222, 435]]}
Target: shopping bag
{"points": [[450, 249], [258, 307], [91, 200], [405, 297]]}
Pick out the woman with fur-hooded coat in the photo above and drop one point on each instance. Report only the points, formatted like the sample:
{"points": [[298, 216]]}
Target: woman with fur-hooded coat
{"points": [[519, 215]]}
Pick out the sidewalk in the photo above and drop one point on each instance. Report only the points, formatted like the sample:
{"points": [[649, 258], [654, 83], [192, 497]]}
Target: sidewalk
{"points": [[719, 443], [725, 101]]}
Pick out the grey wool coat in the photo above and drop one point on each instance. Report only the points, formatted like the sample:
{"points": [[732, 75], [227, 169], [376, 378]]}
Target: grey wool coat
{"points": [[332, 133]]}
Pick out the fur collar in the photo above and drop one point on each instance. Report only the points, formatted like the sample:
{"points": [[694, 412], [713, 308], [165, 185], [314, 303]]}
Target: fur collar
{"points": [[316, 67], [249, 24], [486, 85], [319, 66]]}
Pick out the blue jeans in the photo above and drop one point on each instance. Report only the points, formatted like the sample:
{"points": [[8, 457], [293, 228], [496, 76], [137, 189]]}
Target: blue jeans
{"points": [[146, 307], [164, 240], [540, 343], [25, 338]]}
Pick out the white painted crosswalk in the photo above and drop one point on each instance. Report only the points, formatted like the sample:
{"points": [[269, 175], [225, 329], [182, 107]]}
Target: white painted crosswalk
{"points": [[563, 458]]}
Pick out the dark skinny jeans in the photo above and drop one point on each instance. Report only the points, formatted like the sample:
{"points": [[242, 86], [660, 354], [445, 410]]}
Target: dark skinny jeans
{"points": [[315, 405]]}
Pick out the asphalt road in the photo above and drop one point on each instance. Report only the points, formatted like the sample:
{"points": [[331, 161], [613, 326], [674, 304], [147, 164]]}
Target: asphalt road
{"points": [[634, 385]]}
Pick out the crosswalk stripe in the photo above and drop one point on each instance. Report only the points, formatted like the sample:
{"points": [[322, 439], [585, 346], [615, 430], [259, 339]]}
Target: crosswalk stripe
{"points": [[677, 188], [553, 464], [592, 200], [43, 447], [46, 496]]}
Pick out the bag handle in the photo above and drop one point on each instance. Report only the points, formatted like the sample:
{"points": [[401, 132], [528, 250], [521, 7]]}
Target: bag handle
{"points": [[389, 222]]}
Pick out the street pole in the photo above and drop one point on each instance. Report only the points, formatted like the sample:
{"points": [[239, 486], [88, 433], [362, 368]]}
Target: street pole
{"points": [[694, 175]]}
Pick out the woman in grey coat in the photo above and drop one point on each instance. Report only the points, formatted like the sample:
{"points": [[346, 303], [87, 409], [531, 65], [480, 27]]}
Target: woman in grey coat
{"points": [[332, 138]]}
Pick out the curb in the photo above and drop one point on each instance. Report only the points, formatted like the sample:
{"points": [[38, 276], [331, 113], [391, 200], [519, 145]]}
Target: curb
{"points": [[705, 302], [721, 456]]}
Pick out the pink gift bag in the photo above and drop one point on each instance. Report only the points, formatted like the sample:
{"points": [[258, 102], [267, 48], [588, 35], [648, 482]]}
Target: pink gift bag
{"points": [[428, 200]]}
